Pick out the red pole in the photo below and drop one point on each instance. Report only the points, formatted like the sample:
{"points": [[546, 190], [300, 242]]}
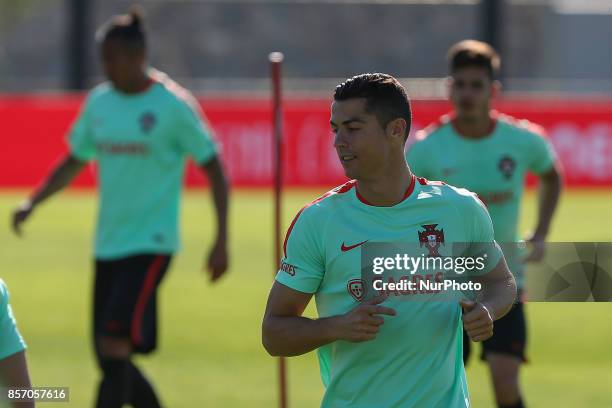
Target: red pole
{"points": [[276, 60]]}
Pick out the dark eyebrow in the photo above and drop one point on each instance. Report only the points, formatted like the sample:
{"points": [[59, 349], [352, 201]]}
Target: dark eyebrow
{"points": [[348, 121]]}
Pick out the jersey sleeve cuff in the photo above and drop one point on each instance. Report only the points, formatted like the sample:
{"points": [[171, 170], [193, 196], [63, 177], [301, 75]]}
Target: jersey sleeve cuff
{"points": [[304, 285], [79, 155], [16, 348], [203, 159], [543, 169]]}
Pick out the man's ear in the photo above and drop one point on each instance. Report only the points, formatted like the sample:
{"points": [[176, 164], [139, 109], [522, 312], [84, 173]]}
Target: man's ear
{"points": [[396, 129], [496, 89], [448, 86]]}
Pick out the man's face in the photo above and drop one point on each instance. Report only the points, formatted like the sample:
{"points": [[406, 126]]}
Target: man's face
{"points": [[471, 90], [121, 65], [360, 140]]}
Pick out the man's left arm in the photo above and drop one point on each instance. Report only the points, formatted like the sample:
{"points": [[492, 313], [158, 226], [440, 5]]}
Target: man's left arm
{"points": [[498, 287], [549, 191], [218, 258], [493, 301], [195, 138]]}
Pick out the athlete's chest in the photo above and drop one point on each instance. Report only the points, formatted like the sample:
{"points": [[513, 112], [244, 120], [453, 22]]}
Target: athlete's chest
{"points": [[429, 229], [124, 129], [482, 166]]}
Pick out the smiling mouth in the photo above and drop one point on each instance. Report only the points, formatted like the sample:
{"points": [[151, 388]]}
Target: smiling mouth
{"points": [[344, 158]]}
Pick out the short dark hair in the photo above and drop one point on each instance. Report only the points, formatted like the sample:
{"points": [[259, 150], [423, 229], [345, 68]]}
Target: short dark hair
{"points": [[127, 28], [472, 53], [384, 95]]}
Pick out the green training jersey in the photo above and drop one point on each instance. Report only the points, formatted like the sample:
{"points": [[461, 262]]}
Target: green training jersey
{"points": [[494, 167], [416, 359], [140, 143], [11, 341]]}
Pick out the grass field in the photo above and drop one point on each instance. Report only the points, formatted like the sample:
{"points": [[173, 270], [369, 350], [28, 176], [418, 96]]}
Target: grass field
{"points": [[211, 353]]}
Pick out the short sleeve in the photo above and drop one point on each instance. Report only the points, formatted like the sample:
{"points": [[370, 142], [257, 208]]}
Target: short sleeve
{"points": [[302, 267], [417, 159], [541, 155], [11, 341], [194, 136], [80, 139], [482, 241]]}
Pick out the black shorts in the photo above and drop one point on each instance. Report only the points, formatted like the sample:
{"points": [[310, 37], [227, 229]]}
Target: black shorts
{"points": [[125, 298], [509, 336]]}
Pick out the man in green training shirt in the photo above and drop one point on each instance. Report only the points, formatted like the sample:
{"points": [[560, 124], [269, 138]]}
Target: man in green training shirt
{"points": [[139, 127], [490, 153], [380, 351], [13, 365]]}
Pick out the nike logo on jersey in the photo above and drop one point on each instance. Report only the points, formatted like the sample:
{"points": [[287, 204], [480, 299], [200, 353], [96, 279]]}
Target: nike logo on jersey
{"points": [[345, 248]]}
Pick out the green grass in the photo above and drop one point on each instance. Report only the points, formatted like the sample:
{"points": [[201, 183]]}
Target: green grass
{"points": [[211, 353]]}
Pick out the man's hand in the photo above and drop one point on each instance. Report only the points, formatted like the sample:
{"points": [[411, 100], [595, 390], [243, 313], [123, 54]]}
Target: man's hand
{"points": [[217, 261], [536, 252], [61, 175], [477, 320], [20, 214], [363, 322]]}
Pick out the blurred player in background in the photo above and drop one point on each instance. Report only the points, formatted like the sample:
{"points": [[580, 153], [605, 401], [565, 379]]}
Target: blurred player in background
{"points": [[138, 127], [489, 153], [13, 365], [403, 353]]}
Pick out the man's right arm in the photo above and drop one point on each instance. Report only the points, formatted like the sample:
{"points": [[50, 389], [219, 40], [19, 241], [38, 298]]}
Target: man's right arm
{"points": [[285, 332], [61, 175]]}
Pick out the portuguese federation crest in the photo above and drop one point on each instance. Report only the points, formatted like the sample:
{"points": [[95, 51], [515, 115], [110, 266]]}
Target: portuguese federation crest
{"points": [[506, 166], [357, 289], [147, 121], [431, 238]]}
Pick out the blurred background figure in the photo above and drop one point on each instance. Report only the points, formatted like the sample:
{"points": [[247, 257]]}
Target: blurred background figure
{"points": [[490, 154], [138, 127], [13, 366]]}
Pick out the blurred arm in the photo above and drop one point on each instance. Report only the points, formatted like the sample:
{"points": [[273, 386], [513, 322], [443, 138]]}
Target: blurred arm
{"points": [[61, 175], [548, 197], [549, 192], [14, 374], [218, 257], [218, 183]]}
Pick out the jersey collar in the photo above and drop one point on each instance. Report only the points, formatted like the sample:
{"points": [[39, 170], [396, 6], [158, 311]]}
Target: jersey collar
{"points": [[407, 194], [493, 116]]}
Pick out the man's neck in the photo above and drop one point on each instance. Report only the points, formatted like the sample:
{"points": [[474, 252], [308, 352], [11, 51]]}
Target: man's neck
{"points": [[475, 128], [388, 190], [140, 84]]}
